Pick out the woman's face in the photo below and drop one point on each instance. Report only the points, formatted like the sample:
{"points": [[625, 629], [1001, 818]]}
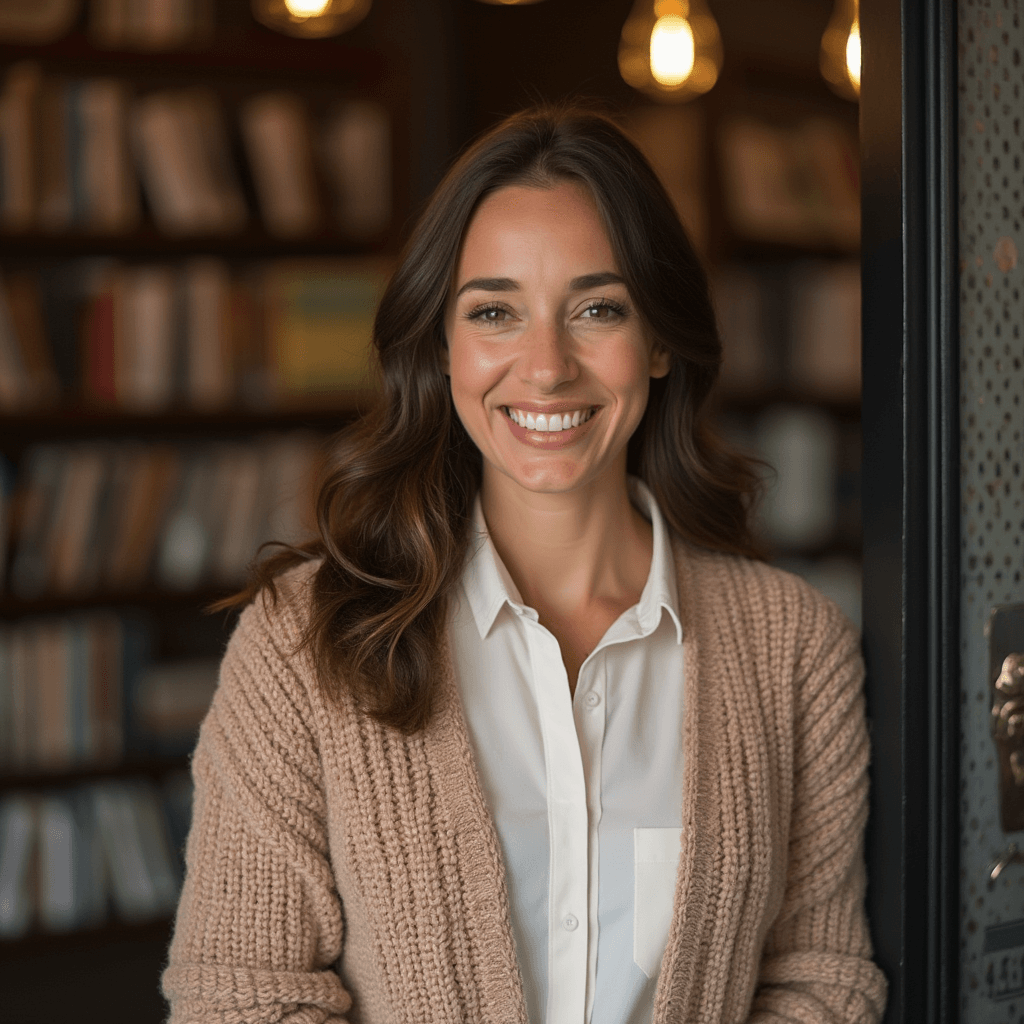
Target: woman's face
{"points": [[548, 360]]}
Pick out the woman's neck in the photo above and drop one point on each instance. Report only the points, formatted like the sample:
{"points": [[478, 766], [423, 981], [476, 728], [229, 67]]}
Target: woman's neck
{"points": [[569, 552]]}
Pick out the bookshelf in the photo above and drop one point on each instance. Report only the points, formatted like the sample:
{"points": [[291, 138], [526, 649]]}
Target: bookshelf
{"points": [[763, 170], [104, 675]]}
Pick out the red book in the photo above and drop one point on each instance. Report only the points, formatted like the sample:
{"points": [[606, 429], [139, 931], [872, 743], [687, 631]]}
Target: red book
{"points": [[99, 341]]}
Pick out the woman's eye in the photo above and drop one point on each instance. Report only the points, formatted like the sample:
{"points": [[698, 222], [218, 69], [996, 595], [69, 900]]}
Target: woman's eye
{"points": [[489, 314], [602, 311]]}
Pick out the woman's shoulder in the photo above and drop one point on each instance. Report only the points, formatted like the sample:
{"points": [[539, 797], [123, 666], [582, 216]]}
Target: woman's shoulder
{"points": [[759, 594], [266, 653]]}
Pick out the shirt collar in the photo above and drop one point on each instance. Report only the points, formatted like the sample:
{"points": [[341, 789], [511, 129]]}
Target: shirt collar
{"points": [[489, 587]]}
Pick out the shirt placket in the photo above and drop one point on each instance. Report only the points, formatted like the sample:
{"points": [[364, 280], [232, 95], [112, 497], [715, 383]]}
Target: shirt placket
{"points": [[568, 910], [589, 709]]}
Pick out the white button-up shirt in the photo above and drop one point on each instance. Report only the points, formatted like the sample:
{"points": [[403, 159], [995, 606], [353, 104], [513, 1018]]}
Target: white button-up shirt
{"points": [[585, 791]]}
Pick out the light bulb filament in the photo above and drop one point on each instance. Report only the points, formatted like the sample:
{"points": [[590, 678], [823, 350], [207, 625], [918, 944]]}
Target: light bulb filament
{"points": [[306, 8], [853, 54], [672, 50]]}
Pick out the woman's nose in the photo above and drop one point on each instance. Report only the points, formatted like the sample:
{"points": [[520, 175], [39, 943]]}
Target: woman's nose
{"points": [[548, 359]]}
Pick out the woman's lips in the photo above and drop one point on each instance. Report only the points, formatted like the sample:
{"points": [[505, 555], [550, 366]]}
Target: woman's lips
{"points": [[550, 439]]}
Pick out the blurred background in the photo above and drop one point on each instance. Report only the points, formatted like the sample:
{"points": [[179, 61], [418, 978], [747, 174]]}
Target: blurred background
{"points": [[199, 203]]}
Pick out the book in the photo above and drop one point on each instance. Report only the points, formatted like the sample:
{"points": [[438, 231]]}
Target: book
{"points": [[17, 847], [43, 474], [149, 24], [319, 324], [25, 319], [7, 478], [355, 145], [187, 541], [52, 141], [145, 315], [59, 842], [17, 165], [184, 161], [108, 185], [7, 740], [16, 386], [74, 510], [132, 887], [749, 362], [209, 371], [40, 22], [241, 468], [794, 184], [800, 443], [276, 133], [825, 342], [149, 490], [54, 743]]}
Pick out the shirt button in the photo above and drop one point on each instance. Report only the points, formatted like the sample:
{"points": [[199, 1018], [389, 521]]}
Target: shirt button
{"points": [[592, 700], [569, 922]]}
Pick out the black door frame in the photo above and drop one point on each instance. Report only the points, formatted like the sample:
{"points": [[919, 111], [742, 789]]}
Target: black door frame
{"points": [[911, 498]]}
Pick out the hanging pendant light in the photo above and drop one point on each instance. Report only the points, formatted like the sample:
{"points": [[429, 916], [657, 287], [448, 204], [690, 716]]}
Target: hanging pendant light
{"points": [[670, 49], [310, 19], [840, 50]]}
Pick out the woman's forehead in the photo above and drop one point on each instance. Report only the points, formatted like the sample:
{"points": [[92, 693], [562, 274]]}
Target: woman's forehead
{"points": [[526, 230]]}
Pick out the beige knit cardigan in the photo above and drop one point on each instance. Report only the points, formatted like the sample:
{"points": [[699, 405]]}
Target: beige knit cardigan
{"points": [[339, 871]]}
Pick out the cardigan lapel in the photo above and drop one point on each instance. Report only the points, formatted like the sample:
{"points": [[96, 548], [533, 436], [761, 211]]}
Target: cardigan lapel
{"points": [[697, 876], [482, 871], [488, 914]]}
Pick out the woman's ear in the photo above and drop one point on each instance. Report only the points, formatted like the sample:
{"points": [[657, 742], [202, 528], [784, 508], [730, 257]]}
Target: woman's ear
{"points": [[661, 361], [446, 362]]}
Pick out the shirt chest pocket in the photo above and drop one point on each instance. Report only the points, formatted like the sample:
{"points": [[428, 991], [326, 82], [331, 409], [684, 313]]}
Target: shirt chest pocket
{"points": [[655, 863]]}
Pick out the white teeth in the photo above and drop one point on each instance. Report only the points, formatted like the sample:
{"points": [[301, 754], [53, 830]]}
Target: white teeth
{"points": [[555, 422]]}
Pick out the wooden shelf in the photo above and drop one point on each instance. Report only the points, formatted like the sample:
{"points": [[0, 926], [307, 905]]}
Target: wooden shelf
{"points": [[59, 778], [143, 931], [252, 243], [751, 403], [234, 52], [78, 422], [53, 604]]}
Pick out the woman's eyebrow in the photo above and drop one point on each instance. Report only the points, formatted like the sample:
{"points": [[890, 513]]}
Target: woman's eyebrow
{"points": [[489, 284], [588, 281], [506, 284]]}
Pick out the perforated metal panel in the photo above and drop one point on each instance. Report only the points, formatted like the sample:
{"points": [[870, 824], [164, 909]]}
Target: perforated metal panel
{"points": [[991, 80]]}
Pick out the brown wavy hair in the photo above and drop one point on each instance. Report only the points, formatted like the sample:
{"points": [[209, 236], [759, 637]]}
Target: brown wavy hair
{"points": [[395, 502]]}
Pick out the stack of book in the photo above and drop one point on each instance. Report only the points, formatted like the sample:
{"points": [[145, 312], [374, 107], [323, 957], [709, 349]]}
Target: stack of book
{"points": [[74, 153], [74, 858], [794, 327], [147, 337], [150, 24], [85, 690], [120, 516]]}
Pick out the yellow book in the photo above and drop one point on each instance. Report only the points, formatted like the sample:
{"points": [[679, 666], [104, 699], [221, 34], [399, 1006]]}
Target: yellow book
{"points": [[319, 321]]}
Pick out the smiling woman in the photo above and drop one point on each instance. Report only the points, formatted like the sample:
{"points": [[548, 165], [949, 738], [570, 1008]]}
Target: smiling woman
{"points": [[528, 733]]}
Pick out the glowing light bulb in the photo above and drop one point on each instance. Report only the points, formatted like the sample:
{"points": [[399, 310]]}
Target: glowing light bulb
{"points": [[672, 50], [853, 55], [306, 8], [310, 19], [840, 50]]}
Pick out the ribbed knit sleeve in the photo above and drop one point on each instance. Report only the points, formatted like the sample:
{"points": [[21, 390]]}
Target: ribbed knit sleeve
{"points": [[816, 965], [259, 924]]}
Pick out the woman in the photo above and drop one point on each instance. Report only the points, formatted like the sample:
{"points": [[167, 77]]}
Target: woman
{"points": [[528, 734]]}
